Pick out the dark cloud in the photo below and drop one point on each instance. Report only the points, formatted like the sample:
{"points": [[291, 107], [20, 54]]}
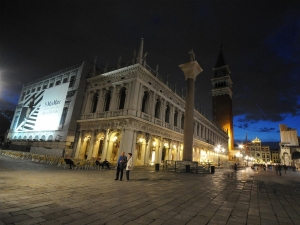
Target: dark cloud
{"points": [[266, 129], [260, 42], [242, 126]]}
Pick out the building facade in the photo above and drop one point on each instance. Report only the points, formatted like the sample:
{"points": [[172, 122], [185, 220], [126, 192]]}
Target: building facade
{"points": [[45, 117], [289, 146], [261, 154], [275, 156], [130, 109]]}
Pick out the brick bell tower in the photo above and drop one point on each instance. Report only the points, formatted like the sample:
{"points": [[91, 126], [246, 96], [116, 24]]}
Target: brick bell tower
{"points": [[222, 99]]}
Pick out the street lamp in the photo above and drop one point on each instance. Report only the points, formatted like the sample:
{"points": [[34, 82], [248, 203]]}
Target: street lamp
{"points": [[219, 149]]}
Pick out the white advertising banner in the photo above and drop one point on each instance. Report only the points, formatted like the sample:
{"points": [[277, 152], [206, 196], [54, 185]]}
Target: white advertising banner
{"points": [[51, 108]]}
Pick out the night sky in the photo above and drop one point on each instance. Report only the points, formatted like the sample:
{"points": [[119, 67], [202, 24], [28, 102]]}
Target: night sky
{"points": [[261, 45]]}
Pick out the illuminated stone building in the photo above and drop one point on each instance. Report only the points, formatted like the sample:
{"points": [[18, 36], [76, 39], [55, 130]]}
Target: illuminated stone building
{"points": [[275, 156], [129, 108], [261, 154], [45, 117], [289, 146], [222, 100]]}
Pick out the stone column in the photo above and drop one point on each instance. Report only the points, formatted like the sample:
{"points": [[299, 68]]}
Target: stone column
{"points": [[127, 98], [114, 99], [99, 105], [105, 146], [91, 147], [159, 151], [79, 144], [190, 70], [128, 141], [147, 151], [89, 102]]}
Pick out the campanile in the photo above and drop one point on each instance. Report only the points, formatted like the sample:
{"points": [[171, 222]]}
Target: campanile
{"points": [[222, 99]]}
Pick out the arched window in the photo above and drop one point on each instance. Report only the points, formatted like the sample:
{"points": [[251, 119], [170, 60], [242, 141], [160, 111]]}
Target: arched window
{"points": [[30, 137], [63, 116], [36, 137], [107, 100], [157, 108], [167, 115], [25, 137], [95, 102], [182, 122], [175, 118], [43, 138], [122, 98], [145, 101], [50, 138]]}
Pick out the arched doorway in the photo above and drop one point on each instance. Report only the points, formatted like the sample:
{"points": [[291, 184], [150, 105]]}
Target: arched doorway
{"points": [[113, 147], [84, 148], [98, 145]]}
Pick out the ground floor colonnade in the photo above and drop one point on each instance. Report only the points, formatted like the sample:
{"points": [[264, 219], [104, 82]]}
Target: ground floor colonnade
{"points": [[149, 144]]}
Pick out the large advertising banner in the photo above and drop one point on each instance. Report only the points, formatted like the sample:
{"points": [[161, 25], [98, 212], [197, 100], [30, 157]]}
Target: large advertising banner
{"points": [[51, 108]]}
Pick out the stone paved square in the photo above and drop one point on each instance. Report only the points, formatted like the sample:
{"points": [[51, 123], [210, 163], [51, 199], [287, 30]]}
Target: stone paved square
{"points": [[34, 193]]}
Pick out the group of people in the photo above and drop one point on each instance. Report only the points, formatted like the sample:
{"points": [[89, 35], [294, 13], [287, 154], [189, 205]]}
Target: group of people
{"points": [[70, 162], [124, 163], [278, 168], [104, 163]]}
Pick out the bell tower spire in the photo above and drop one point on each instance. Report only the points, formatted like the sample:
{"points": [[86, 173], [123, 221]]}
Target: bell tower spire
{"points": [[222, 98]]}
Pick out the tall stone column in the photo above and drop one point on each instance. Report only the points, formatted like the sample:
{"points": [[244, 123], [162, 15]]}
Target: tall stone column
{"points": [[190, 70]]}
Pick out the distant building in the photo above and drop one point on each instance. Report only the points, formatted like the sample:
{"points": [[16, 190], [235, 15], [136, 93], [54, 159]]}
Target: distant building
{"points": [[275, 156], [289, 146], [45, 117], [261, 154]]}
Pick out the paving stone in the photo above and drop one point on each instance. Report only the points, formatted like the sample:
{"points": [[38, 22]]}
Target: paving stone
{"points": [[4, 215], [157, 222], [32, 196], [31, 221], [15, 219]]}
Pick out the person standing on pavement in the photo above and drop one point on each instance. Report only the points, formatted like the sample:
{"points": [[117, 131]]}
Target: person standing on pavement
{"points": [[279, 169], [129, 165], [235, 167], [121, 166], [276, 169]]}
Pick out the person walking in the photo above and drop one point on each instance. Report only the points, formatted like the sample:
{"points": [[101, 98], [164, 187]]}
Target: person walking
{"points": [[121, 166], [129, 165], [235, 167]]}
